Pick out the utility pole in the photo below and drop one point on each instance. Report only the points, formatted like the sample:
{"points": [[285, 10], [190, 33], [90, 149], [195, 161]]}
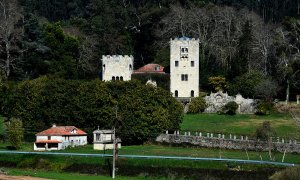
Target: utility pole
{"points": [[114, 154]]}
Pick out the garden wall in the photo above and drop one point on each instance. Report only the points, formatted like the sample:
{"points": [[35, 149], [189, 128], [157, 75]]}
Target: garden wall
{"points": [[231, 142]]}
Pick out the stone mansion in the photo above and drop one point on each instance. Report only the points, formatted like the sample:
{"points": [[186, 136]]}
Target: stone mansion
{"points": [[184, 67]]}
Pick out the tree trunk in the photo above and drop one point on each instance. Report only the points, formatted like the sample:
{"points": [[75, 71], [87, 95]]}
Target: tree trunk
{"points": [[7, 60], [287, 92]]}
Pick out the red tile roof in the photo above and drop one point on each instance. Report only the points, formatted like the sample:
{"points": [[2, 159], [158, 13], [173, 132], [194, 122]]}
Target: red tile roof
{"points": [[150, 68], [61, 130], [47, 141]]}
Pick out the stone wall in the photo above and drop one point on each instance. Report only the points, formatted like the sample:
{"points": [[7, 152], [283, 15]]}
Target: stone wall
{"points": [[231, 142], [216, 101]]}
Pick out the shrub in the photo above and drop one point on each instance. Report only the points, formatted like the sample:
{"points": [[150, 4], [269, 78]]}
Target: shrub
{"points": [[230, 108], [15, 133], [264, 108], [197, 105]]}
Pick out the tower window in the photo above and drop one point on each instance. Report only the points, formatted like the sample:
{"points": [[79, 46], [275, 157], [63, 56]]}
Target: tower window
{"points": [[121, 78], [103, 67], [176, 63], [192, 93], [117, 78], [184, 77], [192, 63], [176, 93], [113, 78]]}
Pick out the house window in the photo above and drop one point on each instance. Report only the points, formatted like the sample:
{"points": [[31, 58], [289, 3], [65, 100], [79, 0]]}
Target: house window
{"points": [[98, 137], [192, 63], [113, 78], [121, 78], [184, 77], [49, 137], [117, 78], [176, 63], [157, 68], [176, 93], [192, 93]]}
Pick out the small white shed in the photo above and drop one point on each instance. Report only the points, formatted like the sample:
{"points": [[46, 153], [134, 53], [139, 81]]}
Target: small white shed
{"points": [[103, 139]]}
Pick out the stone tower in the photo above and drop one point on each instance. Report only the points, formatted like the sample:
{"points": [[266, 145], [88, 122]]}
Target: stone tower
{"points": [[184, 67], [117, 68]]}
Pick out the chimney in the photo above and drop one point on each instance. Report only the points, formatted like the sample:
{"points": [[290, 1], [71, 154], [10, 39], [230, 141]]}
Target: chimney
{"points": [[53, 125]]}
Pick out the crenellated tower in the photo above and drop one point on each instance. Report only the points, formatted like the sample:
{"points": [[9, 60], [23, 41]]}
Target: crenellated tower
{"points": [[184, 67]]}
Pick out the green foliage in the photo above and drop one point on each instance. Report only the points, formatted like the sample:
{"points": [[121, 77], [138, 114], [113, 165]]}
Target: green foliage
{"points": [[266, 90], [265, 132], [197, 105], [230, 108], [245, 84], [143, 111], [218, 83], [15, 133], [162, 80], [264, 108], [2, 129]]}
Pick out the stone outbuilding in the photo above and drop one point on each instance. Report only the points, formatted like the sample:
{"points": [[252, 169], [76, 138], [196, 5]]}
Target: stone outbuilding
{"points": [[103, 139]]}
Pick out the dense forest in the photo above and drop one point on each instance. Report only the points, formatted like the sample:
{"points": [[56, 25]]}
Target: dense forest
{"points": [[254, 44]]}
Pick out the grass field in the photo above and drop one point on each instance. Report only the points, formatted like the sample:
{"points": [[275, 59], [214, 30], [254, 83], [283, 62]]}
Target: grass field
{"points": [[239, 124]]}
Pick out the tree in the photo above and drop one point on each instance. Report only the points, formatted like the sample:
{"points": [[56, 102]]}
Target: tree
{"points": [[197, 105], [10, 35], [267, 90], [15, 133], [218, 83], [2, 128], [230, 108]]}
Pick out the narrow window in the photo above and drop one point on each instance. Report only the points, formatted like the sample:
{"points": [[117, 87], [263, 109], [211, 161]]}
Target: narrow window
{"points": [[182, 77], [176, 63], [182, 50], [49, 137], [103, 67], [113, 78], [186, 77], [130, 67], [186, 50], [176, 93], [192, 63], [117, 78], [121, 78], [192, 93]]}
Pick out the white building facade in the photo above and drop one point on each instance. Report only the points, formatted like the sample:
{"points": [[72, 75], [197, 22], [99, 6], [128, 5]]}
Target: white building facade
{"points": [[59, 138], [184, 67], [117, 67], [103, 139]]}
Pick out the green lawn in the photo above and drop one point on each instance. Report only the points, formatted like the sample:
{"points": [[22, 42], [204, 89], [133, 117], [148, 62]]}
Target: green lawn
{"points": [[64, 176], [283, 124]]}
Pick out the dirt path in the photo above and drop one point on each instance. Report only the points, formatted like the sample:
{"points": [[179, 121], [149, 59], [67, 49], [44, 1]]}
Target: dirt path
{"points": [[6, 177]]}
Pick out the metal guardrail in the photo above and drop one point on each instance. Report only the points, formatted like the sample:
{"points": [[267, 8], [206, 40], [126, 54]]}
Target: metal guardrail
{"points": [[156, 157]]}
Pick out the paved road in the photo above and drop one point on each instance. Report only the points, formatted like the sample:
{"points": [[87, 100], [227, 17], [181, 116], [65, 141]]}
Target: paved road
{"points": [[155, 157]]}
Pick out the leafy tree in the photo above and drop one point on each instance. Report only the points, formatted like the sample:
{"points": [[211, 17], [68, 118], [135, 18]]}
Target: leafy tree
{"points": [[15, 133], [2, 129], [218, 83], [246, 84], [197, 105], [266, 90]]}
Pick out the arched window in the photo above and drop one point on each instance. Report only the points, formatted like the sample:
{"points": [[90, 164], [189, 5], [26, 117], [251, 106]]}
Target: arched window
{"points": [[103, 67], [176, 93], [192, 93], [113, 78], [117, 78], [121, 78], [130, 67]]}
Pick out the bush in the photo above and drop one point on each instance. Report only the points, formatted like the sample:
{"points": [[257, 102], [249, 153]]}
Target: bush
{"points": [[264, 108], [15, 133], [230, 108], [197, 105]]}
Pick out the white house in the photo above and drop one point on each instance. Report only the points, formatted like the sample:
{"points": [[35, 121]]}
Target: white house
{"points": [[59, 137], [117, 68], [103, 139], [184, 67]]}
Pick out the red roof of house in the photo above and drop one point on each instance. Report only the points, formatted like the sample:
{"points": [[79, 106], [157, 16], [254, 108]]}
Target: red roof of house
{"points": [[150, 68], [61, 130], [47, 141]]}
